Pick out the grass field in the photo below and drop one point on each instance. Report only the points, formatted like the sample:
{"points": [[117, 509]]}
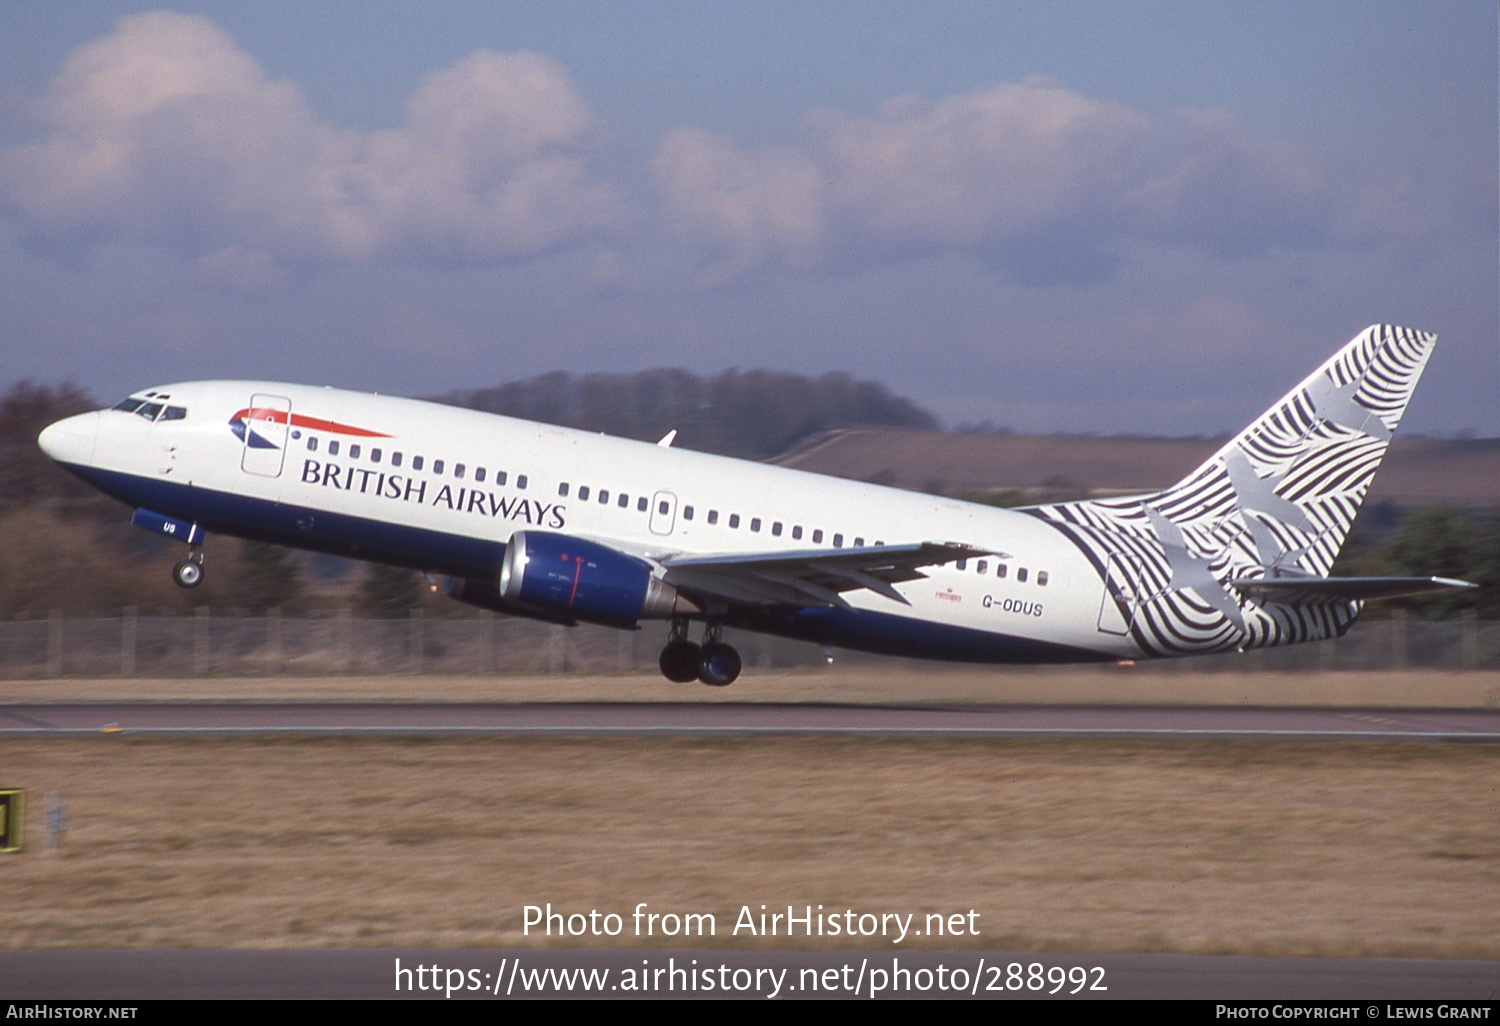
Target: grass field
{"points": [[1238, 846]]}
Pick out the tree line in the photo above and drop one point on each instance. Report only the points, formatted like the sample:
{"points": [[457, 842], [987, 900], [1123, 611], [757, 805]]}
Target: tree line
{"points": [[750, 414]]}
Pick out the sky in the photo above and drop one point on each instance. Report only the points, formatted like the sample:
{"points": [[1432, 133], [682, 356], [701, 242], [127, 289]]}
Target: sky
{"points": [[1129, 217]]}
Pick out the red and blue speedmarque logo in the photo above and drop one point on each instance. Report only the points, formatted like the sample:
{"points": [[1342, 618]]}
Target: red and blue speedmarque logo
{"points": [[276, 422]]}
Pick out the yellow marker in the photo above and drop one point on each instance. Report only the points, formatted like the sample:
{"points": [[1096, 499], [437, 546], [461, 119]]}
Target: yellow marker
{"points": [[12, 822]]}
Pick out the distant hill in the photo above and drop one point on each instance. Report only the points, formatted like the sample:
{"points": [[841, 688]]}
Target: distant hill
{"points": [[1464, 473], [751, 414]]}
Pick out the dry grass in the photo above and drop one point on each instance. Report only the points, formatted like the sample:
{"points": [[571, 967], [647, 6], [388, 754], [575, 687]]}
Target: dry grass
{"points": [[867, 682], [1252, 847]]}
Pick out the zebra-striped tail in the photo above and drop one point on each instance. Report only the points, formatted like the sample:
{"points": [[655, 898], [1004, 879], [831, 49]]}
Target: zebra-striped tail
{"points": [[1276, 501]]}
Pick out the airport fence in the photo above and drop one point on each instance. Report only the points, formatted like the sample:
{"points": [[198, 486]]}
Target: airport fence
{"points": [[206, 644]]}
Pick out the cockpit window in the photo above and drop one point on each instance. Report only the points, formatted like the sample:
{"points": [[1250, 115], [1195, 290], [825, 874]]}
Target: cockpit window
{"points": [[150, 410]]}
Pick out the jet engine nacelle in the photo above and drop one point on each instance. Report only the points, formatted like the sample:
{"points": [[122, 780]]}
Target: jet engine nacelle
{"points": [[486, 595], [559, 577]]}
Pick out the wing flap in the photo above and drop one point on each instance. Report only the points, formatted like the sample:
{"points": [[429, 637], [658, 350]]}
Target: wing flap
{"points": [[816, 577]]}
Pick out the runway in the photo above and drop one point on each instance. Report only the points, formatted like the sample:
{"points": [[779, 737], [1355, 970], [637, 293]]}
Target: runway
{"points": [[709, 720]]}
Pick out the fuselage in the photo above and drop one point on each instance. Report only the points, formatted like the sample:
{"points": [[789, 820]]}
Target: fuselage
{"points": [[572, 527], [442, 490]]}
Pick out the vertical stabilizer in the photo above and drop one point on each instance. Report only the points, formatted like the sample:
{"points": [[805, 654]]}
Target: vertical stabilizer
{"points": [[1296, 477], [1278, 500]]}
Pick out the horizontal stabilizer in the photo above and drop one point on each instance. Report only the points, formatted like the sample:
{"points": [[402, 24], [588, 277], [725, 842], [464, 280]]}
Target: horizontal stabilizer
{"points": [[1306, 590]]}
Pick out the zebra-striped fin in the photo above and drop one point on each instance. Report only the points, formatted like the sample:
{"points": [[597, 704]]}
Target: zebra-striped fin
{"points": [[1307, 462], [1277, 501]]}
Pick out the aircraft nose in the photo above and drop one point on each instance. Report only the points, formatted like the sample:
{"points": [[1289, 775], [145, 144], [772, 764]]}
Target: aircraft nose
{"points": [[71, 440]]}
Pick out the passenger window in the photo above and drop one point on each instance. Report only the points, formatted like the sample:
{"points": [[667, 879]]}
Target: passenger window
{"points": [[1041, 578], [755, 523], [437, 466], [479, 474], [520, 482], [354, 452], [664, 507], [458, 470], [687, 512], [859, 543], [623, 501], [562, 489], [500, 476], [1000, 569], [640, 504], [963, 564], [333, 448], [604, 496], [797, 533], [981, 567], [395, 459], [583, 493], [776, 529], [374, 455], [734, 521], [838, 541], [1021, 574], [416, 463], [312, 443], [818, 537], [713, 516]]}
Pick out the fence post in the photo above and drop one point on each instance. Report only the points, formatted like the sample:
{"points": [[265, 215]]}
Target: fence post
{"points": [[54, 643], [200, 641], [557, 650], [345, 647], [1470, 640], [127, 641], [415, 640], [273, 640], [1398, 640]]}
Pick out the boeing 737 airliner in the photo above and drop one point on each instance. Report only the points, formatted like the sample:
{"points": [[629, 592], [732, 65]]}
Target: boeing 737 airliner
{"points": [[565, 526]]}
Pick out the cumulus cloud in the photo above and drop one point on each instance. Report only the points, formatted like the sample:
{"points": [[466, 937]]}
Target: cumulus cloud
{"points": [[1041, 180], [165, 131], [748, 207]]}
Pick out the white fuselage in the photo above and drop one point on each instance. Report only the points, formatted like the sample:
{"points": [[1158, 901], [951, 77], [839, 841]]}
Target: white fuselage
{"points": [[443, 489]]}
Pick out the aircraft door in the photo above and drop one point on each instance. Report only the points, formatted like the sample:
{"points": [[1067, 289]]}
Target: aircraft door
{"points": [[663, 512], [1121, 598], [267, 424]]}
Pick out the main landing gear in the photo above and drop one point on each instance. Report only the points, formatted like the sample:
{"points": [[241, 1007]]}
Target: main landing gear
{"points": [[189, 572], [713, 662]]}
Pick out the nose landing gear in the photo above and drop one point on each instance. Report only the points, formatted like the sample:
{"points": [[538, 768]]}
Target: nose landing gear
{"points": [[189, 572], [713, 662]]}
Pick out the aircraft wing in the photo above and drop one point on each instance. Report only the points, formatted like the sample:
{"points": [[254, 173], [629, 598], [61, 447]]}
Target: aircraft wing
{"points": [[810, 577], [1307, 590]]}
